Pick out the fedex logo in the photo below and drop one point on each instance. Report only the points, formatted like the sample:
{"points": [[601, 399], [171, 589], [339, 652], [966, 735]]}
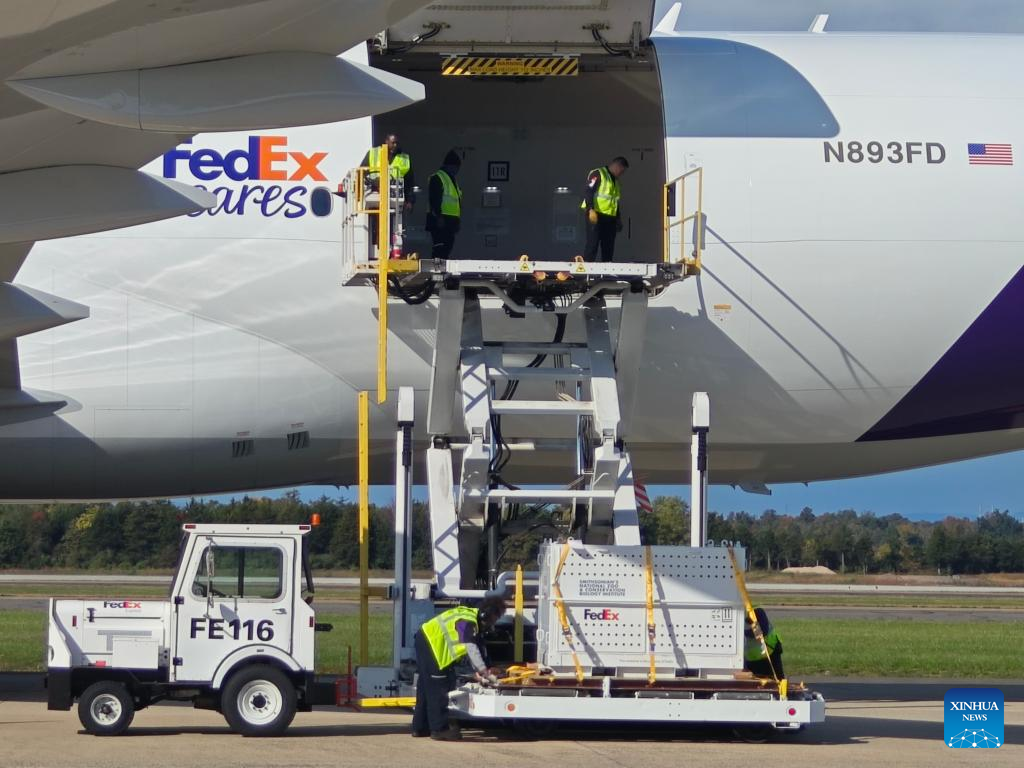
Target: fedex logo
{"points": [[122, 604], [264, 158], [603, 615]]}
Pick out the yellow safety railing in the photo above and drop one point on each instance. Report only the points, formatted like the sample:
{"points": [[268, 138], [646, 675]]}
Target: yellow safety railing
{"points": [[680, 218], [383, 263], [383, 213]]}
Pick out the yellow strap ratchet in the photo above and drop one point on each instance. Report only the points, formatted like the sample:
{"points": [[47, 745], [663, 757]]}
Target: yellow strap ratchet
{"points": [[562, 617], [522, 674], [741, 584], [652, 674]]}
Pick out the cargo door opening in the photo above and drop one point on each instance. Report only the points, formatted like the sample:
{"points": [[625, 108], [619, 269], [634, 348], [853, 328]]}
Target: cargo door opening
{"points": [[527, 142]]}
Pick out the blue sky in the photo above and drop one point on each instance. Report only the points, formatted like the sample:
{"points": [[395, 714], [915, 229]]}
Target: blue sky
{"points": [[964, 489], [852, 15]]}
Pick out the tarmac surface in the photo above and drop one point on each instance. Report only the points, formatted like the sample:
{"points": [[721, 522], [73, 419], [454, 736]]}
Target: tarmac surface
{"points": [[869, 722], [856, 732]]}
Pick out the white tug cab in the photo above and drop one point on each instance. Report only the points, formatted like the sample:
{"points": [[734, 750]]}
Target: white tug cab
{"points": [[235, 635]]}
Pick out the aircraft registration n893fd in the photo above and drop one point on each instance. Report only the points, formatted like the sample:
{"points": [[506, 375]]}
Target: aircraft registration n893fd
{"points": [[857, 312]]}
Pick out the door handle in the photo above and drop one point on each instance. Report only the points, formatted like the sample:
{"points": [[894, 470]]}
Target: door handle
{"points": [[280, 610]]}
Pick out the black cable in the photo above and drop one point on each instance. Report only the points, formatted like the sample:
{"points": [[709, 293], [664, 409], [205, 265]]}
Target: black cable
{"points": [[503, 453], [598, 38], [517, 536], [421, 296], [434, 31]]}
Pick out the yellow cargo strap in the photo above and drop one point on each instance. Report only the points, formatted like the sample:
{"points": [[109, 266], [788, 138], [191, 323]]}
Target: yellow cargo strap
{"points": [[517, 625], [562, 617], [652, 674], [741, 584]]}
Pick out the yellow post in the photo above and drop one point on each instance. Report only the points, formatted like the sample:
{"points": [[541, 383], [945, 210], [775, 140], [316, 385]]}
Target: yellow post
{"points": [[699, 245], [682, 219], [517, 634], [364, 528], [383, 260]]}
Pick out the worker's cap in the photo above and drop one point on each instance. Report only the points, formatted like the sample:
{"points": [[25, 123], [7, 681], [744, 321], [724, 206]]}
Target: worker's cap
{"points": [[762, 621], [621, 161], [452, 158]]}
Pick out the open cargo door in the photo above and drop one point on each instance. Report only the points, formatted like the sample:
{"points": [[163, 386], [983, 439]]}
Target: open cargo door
{"points": [[532, 96], [500, 26]]}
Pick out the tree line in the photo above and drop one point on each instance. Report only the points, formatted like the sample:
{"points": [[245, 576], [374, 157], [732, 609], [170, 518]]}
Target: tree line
{"points": [[133, 536]]}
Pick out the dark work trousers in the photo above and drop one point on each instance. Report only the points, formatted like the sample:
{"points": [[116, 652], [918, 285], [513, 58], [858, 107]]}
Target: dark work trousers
{"points": [[443, 235], [432, 687], [601, 234]]}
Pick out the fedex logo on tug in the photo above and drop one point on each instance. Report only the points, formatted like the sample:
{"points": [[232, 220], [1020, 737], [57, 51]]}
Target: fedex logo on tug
{"points": [[264, 159]]}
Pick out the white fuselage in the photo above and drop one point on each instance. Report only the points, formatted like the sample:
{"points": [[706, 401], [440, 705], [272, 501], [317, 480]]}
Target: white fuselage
{"points": [[841, 265]]}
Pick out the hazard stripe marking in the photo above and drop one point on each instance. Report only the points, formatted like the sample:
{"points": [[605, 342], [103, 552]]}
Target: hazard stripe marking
{"points": [[496, 66]]}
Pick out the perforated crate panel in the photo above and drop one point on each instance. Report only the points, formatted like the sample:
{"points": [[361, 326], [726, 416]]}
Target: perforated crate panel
{"points": [[698, 612]]}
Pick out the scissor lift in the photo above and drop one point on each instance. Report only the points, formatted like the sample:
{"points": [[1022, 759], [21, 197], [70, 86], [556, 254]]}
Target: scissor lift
{"points": [[586, 387], [676, 655]]}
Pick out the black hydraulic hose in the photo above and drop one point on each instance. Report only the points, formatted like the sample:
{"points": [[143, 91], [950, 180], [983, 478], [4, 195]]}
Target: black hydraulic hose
{"points": [[422, 296], [434, 31], [598, 38], [503, 454]]}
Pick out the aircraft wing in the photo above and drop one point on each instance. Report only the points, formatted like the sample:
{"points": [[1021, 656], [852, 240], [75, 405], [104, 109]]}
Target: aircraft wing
{"points": [[91, 90]]}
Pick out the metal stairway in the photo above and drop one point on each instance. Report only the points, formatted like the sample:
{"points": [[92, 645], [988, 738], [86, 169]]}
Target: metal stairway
{"points": [[588, 386]]}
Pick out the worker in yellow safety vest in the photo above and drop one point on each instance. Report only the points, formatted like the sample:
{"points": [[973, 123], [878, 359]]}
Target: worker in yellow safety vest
{"points": [[445, 197], [754, 658], [440, 643], [400, 166], [601, 203]]}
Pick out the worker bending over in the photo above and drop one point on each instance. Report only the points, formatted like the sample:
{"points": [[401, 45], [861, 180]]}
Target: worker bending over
{"points": [[445, 215], [400, 167], [601, 202], [440, 644], [754, 657]]}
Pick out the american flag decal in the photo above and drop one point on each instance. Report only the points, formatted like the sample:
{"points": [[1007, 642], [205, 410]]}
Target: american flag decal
{"points": [[643, 501], [990, 154]]}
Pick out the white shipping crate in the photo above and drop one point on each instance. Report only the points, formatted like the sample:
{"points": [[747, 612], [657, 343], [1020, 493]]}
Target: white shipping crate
{"points": [[698, 612]]}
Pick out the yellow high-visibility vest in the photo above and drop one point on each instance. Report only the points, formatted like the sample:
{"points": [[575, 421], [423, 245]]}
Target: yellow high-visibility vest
{"points": [[400, 164], [606, 197], [451, 196], [443, 637]]}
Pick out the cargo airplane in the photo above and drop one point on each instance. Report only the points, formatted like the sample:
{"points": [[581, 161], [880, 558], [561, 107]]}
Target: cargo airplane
{"points": [[173, 318]]}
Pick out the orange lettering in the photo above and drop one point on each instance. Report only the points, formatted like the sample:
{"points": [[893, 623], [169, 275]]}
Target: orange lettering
{"points": [[268, 157], [308, 166]]}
